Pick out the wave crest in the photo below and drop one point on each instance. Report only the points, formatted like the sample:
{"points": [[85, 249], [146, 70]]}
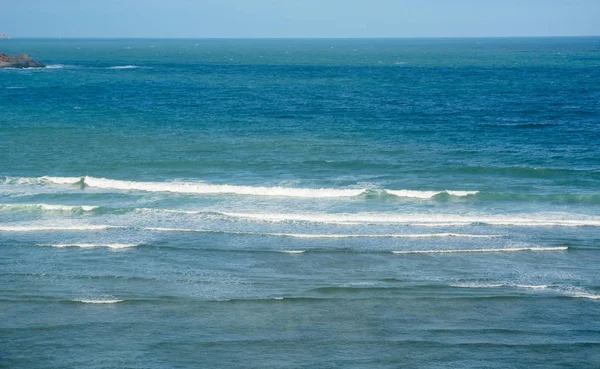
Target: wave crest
{"points": [[42, 228], [93, 245], [433, 220], [509, 249], [206, 188], [49, 207], [99, 301], [125, 67]]}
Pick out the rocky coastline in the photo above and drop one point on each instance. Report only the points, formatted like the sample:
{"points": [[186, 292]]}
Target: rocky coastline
{"points": [[19, 61]]}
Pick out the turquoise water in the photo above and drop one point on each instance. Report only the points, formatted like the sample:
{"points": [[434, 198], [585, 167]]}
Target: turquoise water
{"points": [[301, 204]]}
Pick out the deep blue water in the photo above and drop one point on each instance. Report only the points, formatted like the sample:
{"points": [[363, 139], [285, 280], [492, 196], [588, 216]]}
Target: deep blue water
{"points": [[301, 204]]}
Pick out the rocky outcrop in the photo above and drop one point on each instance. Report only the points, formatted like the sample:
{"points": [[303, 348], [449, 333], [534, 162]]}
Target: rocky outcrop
{"points": [[18, 61]]}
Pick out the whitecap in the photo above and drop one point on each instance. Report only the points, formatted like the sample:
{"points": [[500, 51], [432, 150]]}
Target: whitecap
{"points": [[583, 295], [532, 286], [99, 301], [425, 220], [508, 249], [56, 180], [125, 67], [49, 207], [92, 245], [478, 285], [202, 188], [318, 235], [428, 194], [425, 235], [42, 228], [55, 66]]}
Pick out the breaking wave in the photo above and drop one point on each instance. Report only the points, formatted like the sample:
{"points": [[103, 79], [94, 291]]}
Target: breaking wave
{"points": [[498, 285], [202, 188], [429, 194], [125, 67], [99, 301], [567, 291], [41, 228], [92, 245], [48, 207], [57, 66], [510, 249], [317, 235], [205, 188], [433, 220]]}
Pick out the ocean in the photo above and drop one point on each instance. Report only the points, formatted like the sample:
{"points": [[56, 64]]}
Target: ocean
{"points": [[331, 203]]}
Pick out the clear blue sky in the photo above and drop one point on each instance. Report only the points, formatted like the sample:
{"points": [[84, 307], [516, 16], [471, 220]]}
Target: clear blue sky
{"points": [[299, 18]]}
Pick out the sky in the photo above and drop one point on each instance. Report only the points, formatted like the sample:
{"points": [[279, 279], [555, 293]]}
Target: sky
{"points": [[298, 18]]}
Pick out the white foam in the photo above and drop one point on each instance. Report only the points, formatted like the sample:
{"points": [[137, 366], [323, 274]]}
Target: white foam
{"points": [[318, 235], [428, 194], [202, 188], [163, 229], [431, 220], [49, 207], [569, 291], [497, 285], [461, 193], [478, 285], [425, 235], [293, 251], [40, 228], [40, 180], [99, 301], [510, 249], [92, 245], [124, 67], [585, 296], [531, 286], [55, 66], [57, 180], [67, 207]]}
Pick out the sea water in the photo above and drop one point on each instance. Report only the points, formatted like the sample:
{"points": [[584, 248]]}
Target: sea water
{"points": [[301, 204]]}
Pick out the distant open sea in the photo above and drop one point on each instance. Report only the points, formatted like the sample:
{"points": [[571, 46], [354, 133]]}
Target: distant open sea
{"points": [[365, 203]]}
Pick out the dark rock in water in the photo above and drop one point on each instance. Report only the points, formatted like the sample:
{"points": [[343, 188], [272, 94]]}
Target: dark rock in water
{"points": [[18, 61]]}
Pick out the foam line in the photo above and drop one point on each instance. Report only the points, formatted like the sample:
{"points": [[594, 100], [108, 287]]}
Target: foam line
{"points": [[92, 245], [99, 301], [425, 235], [428, 194], [585, 296], [49, 207], [57, 228], [205, 188], [55, 66], [497, 285], [124, 67], [163, 229], [201, 188], [433, 220], [513, 249], [56, 180], [316, 235]]}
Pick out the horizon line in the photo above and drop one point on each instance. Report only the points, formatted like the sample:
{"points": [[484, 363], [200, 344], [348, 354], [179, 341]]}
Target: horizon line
{"points": [[282, 38]]}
